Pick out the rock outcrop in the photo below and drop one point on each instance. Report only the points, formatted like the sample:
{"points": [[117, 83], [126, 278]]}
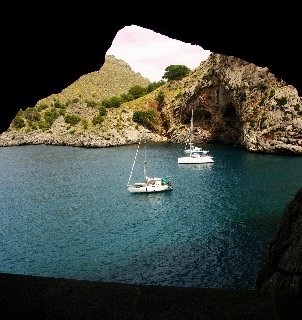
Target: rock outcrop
{"points": [[239, 103], [282, 269]]}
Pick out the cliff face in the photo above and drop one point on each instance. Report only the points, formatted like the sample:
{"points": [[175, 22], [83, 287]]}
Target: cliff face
{"points": [[282, 269], [234, 102], [239, 103]]}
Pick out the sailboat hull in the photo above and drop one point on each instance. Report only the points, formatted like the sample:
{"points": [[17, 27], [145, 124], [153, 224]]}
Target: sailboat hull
{"points": [[151, 185], [197, 159], [143, 188]]}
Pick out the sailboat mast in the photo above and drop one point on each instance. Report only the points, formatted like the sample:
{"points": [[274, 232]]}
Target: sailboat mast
{"points": [[145, 162], [133, 164], [191, 133]]}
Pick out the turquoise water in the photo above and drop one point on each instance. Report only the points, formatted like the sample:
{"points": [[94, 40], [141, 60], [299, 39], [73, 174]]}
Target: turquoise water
{"points": [[66, 212]]}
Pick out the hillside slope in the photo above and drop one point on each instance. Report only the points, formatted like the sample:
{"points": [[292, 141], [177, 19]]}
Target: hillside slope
{"points": [[115, 77]]}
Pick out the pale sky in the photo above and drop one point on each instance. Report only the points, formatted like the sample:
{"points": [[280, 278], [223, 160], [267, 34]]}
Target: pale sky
{"points": [[149, 52]]}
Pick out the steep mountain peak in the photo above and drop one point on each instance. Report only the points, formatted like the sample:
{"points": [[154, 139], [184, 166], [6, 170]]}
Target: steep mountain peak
{"points": [[114, 78], [112, 60]]}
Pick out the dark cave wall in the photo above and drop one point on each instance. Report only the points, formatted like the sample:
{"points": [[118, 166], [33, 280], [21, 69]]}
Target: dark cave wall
{"points": [[48, 48], [282, 268]]}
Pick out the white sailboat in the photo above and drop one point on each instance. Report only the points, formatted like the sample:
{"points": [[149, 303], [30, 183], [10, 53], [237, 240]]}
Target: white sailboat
{"points": [[195, 154], [148, 184]]}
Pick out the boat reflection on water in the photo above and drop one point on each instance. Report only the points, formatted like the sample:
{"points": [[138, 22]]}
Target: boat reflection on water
{"points": [[157, 199], [196, 166], [154, 198]]}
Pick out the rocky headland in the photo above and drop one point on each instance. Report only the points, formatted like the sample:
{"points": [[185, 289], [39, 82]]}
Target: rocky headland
{"points": [[234, 101]]}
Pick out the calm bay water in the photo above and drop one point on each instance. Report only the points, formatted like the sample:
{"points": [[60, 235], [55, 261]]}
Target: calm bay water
{"points": [[65, 212]]}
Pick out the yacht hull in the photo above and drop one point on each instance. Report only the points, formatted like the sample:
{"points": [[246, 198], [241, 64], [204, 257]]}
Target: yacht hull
{"points": [[143, 188], [151, 185], [198, 159]]}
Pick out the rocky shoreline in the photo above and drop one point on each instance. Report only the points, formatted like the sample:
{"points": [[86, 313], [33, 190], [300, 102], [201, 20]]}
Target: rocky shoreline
{"points": [[84, 139]]}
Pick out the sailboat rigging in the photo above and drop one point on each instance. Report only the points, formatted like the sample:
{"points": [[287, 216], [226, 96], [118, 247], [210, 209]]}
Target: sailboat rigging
{"points": [[148, 184], [196, 154]]}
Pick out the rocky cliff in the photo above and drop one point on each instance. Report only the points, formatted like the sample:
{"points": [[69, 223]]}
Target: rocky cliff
{"points": [[234, 102], [282, 269], [239, 103]]}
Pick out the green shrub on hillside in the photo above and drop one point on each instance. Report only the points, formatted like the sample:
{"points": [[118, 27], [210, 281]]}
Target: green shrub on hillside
{"points": [[62, 112], [43, 125], [113, 102], [154, 85], [72, 101], [160, 98], [72, 119], [145, 118], [127, 97], [42, 106], [137, 91], [20, 113], [281, 101], [58, 104], [51, 116], [84, 123], [18, 122], [97, 120], [91, 104], [32, 114], [33, 125], [102, 111], [134, 92]]}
